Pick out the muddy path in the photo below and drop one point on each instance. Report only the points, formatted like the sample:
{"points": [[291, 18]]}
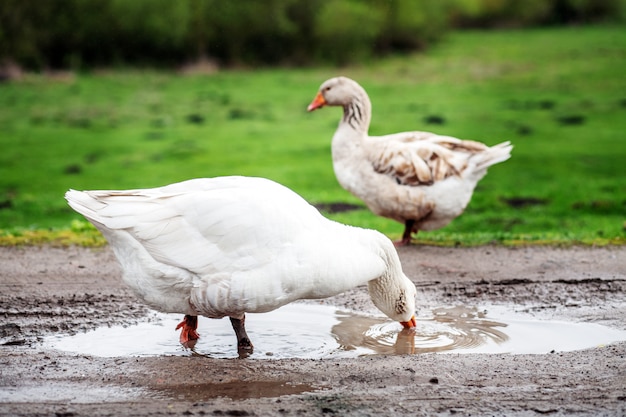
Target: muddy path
{"points": [[46, 291]]}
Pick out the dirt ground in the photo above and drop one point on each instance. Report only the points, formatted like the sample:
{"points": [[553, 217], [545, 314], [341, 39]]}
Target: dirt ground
{"points": [[45, 291]]}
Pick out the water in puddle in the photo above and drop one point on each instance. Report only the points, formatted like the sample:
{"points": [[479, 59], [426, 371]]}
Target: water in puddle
{"points": [[318, 331]]}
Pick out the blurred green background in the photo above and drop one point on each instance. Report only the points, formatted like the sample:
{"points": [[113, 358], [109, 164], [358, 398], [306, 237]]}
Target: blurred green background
{"points": [[79, 34], [110, 94]]}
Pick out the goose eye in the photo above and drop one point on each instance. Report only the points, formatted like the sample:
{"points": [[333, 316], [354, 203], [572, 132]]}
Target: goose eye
{"points": [[327, 89]]}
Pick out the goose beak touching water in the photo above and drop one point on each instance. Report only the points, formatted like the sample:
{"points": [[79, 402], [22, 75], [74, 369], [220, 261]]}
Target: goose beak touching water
{"points": [[420, 179], [227, 246]]}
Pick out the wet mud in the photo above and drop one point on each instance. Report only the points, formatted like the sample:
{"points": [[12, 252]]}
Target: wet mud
{"points": [[47, 292]]}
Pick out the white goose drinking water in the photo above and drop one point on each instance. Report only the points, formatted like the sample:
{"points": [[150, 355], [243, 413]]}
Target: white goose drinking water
{"points": [[420, 179], [227, 246]]}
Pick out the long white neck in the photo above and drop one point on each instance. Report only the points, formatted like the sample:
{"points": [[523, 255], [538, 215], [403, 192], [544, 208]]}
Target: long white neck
{"points": [[347, 143], [393, 293], [357, 112]]}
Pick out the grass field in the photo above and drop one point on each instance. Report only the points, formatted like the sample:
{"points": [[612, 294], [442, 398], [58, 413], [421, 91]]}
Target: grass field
{"points": [[558, 94]]}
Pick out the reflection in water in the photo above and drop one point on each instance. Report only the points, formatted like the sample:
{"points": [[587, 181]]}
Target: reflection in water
{"points": [[318, 331], [448, 329]]}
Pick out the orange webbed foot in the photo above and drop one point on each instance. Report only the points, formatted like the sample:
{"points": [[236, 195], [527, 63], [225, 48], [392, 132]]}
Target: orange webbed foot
{"points": [[188, 335]]}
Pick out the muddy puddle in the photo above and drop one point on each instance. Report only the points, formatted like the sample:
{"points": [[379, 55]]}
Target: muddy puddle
{"points": [[68, 392], [319, 331], [235, 390]]}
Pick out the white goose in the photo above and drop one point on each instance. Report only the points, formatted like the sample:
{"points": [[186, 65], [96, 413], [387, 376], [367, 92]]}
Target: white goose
{"points": [[226, 246], [420, 179]]}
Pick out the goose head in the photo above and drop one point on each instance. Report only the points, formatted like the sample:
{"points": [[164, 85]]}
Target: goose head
{"points": [[338, 91], [393, 293], [396, 298]]}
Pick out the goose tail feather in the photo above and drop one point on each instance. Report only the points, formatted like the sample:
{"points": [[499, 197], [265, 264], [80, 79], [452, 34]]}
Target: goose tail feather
{"points": [[494, 155]]}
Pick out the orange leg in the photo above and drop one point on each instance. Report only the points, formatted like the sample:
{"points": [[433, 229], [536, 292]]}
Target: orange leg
{"points": [[188, 334]]}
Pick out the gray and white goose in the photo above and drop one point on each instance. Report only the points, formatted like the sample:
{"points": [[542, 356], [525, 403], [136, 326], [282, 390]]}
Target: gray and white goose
{"points": [[420, 179]]}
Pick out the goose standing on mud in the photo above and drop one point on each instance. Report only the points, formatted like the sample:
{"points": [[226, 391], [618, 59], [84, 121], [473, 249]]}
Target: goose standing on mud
{"points": [[420, 179], [227, 246]]}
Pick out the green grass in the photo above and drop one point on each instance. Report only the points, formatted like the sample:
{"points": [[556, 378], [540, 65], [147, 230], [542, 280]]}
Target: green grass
{"points": [[558, 94]]}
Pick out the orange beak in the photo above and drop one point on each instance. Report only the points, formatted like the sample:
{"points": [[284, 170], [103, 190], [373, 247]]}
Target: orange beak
{"points": [[411, 324], [318, 102]]}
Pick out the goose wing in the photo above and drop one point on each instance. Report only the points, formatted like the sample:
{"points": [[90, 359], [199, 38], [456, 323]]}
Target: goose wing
{"points": [[203, 225], [420, 158]]}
